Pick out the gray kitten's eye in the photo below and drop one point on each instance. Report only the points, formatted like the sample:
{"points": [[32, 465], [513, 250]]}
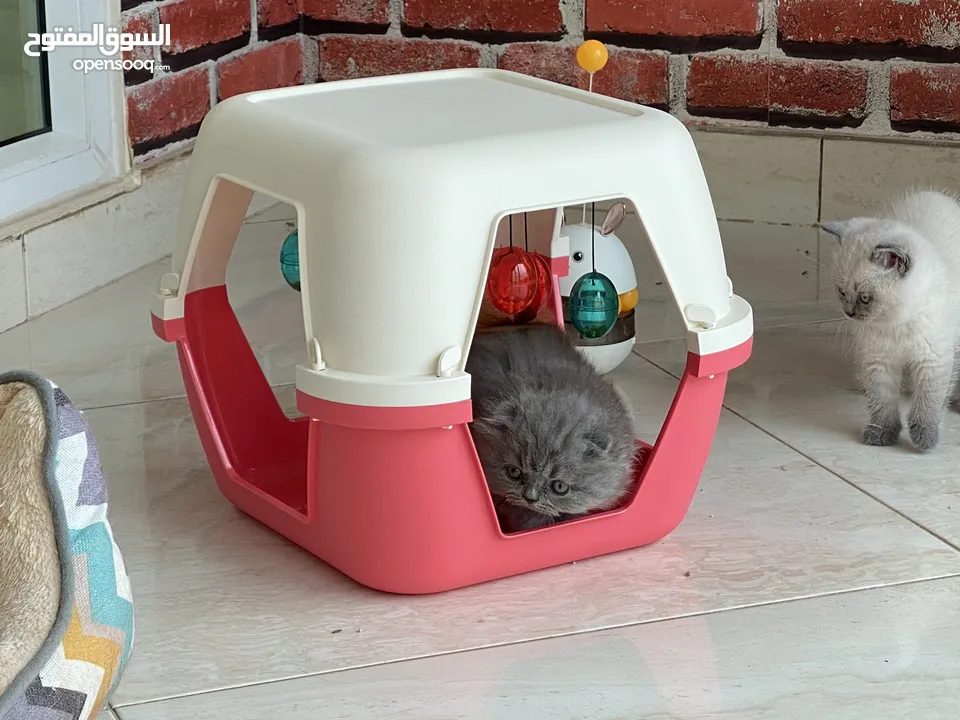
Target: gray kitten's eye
{"points": [[559, 487], [514, 473], [577, 256], [865, 298], [840, 291]]}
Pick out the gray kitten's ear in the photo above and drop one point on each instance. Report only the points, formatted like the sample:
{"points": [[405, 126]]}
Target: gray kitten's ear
{"points": [[838, 228], [598, 443], [892, 257]]}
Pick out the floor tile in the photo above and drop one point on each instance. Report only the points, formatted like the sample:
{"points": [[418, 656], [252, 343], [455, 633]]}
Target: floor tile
{"points": [[102, 348], [774, 267], [799, 386], [223, 602], [860, 175], [765, 178], [885, 653]]}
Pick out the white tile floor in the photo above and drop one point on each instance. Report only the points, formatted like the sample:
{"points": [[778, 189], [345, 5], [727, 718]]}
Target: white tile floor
{"points": [[813, 577]]}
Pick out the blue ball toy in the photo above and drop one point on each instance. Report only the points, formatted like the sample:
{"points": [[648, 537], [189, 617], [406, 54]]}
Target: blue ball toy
{"points": [[290, 261], [594, 305]]}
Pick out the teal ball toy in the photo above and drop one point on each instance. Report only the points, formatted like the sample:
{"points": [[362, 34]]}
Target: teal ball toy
{"points": [[290, 261], [594, 305]]}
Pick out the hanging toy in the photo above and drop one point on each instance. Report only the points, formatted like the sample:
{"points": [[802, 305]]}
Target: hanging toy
{"points": [[592, 56], [594, 303], [512, 281], [544, 274], [513, 278], [290, 260], [544, 289]]}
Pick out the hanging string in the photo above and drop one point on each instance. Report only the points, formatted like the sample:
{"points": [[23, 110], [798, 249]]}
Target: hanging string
{"points": [[526, 245], [511, 229], [593, 234]]}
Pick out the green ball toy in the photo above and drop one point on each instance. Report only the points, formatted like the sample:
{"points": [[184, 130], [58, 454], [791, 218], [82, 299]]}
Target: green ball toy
{"points": [[290, 260], [594, 305]]}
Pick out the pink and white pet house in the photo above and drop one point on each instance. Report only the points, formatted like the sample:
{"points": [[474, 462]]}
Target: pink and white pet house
{"points": [[402, 183]]}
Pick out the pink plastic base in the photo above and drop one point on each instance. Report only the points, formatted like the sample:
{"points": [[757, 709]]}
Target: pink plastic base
{"points": [[407, 510]]}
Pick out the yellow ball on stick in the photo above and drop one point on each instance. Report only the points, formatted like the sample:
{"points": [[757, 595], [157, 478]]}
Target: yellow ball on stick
{"points": [[592, 56]]}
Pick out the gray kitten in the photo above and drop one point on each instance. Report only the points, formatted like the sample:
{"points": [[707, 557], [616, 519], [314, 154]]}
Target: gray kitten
{"points": [[554, 437]]}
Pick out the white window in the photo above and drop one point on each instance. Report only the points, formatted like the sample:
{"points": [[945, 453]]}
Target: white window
{"points": [[62, 131]]}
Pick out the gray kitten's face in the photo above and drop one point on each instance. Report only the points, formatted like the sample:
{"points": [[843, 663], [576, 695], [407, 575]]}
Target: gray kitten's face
{"points": [[546, 453], [869, 268]]}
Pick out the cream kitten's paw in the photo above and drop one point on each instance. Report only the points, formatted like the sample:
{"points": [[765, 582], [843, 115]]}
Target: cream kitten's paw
{"points": [[925, 434], [881, 436]]}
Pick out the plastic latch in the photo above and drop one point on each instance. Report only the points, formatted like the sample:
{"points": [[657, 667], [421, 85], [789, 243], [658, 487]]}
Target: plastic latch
{"points": [[449, 361], [169, 284], [729, 288], [700, 315], [314, 357]]}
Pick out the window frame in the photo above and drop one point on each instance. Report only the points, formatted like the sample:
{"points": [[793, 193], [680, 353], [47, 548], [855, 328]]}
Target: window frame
{"points": [[87, 146]]}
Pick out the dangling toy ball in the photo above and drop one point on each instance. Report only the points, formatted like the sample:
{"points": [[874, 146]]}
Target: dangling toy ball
{"points": [[512, 281], [544, 289], [592, 55], [290, 261], [594, 305]]}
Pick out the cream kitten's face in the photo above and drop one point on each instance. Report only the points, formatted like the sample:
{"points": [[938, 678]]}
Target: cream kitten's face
{"points": [[869, 267]]}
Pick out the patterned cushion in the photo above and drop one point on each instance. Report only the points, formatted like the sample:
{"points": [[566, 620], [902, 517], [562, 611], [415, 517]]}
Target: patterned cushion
{"points": [[79, 665]]}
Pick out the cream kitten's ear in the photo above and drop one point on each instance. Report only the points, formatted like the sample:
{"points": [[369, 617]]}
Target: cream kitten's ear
{"points": [[843, 228], [892, 257], [838, 228]]}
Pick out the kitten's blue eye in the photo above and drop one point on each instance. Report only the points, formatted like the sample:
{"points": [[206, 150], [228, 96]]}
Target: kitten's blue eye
{"points": [[577, 256], [514, 473], [865, 298], [559, 487]]}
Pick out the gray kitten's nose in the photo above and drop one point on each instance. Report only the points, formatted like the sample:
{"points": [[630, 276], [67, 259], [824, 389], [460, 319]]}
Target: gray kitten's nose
{"points": [[530, 494], [848, 312]]}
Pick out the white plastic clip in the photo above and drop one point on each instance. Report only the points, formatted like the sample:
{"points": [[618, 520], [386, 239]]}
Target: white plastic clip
{"points": [[729, 288], [701, 316], [169, 285], [314, 356], [449, 360]]}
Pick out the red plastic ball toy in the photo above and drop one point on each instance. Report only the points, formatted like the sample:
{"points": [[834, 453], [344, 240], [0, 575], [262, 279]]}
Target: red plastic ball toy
{"points": [[544, 289], [512, 281]]}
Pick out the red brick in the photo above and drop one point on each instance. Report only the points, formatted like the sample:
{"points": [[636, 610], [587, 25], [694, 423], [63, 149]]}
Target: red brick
{"points": [[195, 23], [913, 23], [928, 94], [138, 21], [168, 104], [523, 16], [745, 83], [364, 12], [278, 12], [354, 56], [675, 18], [634, 75], [279, 64]]}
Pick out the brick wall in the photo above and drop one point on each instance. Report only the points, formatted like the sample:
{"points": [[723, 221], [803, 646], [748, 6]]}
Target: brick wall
{"points": [[869, 67]]}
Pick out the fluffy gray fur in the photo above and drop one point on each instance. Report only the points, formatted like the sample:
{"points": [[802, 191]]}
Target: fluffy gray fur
{"points": [[554, 437]]}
